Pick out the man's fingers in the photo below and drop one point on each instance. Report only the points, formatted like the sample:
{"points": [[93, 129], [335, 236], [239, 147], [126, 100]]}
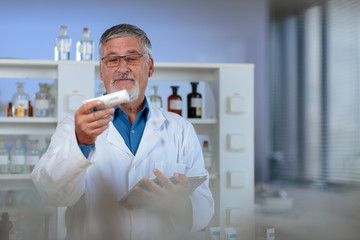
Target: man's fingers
{"points": [[182, 179], [89, 106], [165, 182]]}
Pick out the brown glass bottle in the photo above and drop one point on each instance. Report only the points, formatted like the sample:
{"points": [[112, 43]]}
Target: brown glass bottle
{"points": [[9, 110], [175, 101], [194, 102], [31, 109]]}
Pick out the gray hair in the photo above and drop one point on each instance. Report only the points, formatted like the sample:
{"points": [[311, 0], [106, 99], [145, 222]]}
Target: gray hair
{"points": [[125, 30]]}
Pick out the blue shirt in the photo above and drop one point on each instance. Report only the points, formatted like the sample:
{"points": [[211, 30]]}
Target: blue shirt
{"points": [[130, 133]]}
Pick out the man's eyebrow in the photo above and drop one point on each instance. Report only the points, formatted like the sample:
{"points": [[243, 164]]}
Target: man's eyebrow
{"points": [[129, 51]]}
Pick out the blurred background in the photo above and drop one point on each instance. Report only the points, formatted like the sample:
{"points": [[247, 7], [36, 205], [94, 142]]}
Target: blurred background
{"points": [[307, 89]]}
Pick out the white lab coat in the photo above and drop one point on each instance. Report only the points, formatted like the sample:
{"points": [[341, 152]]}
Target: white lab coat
{"points": [[169, 143]]}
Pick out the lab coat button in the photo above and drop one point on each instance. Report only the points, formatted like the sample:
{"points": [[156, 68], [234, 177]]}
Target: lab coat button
{"points": [[132, 131]]}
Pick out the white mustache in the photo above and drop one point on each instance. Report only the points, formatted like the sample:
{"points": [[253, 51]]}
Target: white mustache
{"points": [[124, 76]]}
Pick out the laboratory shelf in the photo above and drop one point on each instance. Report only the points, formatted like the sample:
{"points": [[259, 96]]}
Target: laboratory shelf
{"points": [[15, 182], [27, 126], [15, 177], [203, 121], [28, 120]]}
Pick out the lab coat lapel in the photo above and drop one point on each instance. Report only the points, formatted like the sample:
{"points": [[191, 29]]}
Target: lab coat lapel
{"points": [[115, 138], [151, 134]]}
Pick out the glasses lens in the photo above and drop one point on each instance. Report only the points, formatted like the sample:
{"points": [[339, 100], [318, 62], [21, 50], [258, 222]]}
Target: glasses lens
{"points": [[133, 59], [112, 61]]}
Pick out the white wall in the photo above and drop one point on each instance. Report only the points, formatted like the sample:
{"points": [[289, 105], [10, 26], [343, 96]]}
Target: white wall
{"points": [[229, 31]]}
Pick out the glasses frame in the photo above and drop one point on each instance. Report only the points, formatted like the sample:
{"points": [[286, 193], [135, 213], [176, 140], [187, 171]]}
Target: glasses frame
{"points": [[124, 57]]}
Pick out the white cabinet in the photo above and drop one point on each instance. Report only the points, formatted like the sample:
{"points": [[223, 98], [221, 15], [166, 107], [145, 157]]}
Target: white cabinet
{"points": [[228, 120]]}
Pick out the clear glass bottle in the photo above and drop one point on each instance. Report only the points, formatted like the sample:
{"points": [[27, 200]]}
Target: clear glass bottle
{"points": [[101, 89], [175, 101], [62, 45], [4, 158], [208, 158], [154, 98], [85, 47], [20, 103], [42, 101], [32, 155], [17, 156], [45, 147], [194, 102]]}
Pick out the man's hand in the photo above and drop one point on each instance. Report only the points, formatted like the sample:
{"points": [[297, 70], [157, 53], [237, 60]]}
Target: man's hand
{"points": [[90, 124], [171, 198]]}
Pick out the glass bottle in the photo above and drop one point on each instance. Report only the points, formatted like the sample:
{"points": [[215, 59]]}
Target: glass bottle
{"points": [[101, 89], [42, 101], [194, 102], [17, 156], [154, 98], [175, 101], [62, 45], [9, 109], [85, 47], [4, 158], [31, 109], [45, 147], [32, 156], [20, 103], [208, 159]]}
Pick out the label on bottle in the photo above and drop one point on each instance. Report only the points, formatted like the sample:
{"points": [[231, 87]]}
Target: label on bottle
{"points": [[207, 161], [85, 48], [176, 104], [196, 102], [156, 103], [63, 46], [20, 112], [18, 159], [32, 160], [21, 103], [42, 104], [4, 159]]}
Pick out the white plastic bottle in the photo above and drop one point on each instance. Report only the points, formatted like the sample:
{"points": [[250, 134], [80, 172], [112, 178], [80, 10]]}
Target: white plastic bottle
{"points": [[4, 158], [17, 156], [62, 45], [85, 47]]}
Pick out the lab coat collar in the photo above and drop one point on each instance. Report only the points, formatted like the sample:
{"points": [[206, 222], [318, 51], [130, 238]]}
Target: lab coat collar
{"points": [[150, 137]]}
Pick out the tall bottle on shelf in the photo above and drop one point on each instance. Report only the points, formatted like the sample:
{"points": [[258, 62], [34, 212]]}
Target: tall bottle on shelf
{"points": [[208, 157], [101, 89], [20, 103], [85, 47], [194, 102], [17, 156], [175, 101], [32, 156], [154, 98], [62, 45], [4, 158], [42, 101]]}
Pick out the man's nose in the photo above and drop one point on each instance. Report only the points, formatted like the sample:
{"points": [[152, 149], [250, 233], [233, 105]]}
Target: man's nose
{"points": [[123, 66]]}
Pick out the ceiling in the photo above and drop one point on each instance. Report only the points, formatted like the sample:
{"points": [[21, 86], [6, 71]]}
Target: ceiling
{"points": [[283, 8]]}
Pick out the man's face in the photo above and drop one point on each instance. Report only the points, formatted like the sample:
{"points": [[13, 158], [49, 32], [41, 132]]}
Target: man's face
{"points": [[132, 77]]}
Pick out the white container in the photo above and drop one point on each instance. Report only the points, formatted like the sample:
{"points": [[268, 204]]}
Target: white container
{"points": [[111, 99]]}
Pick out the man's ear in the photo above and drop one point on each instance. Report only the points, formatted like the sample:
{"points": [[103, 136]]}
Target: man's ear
{"points": [[151, 66]]}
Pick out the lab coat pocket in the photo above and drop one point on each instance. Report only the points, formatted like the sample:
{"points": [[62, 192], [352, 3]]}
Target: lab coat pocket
{"points": [[169, 168]]}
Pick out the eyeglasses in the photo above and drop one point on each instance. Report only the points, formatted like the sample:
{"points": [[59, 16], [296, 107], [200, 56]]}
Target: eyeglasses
{"points": [[131, 59]]}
